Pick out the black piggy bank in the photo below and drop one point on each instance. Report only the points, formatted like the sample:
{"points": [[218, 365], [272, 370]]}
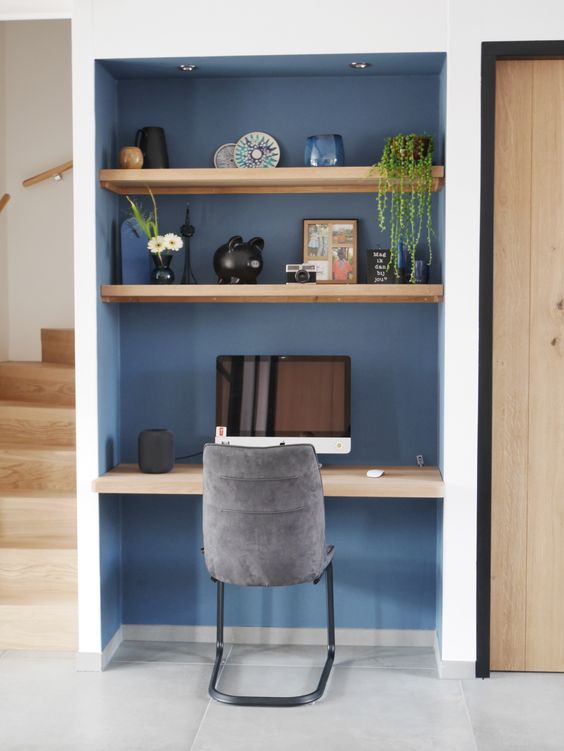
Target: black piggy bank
{"points": [[239, 262]]}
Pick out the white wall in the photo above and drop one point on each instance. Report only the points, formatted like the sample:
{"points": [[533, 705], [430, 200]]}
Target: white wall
{"points": [[141, 28], [20, 9], [470, 24], [217, 27], [462, 220], [4, 214], [39, 223], [177, 28], [86, 294]]}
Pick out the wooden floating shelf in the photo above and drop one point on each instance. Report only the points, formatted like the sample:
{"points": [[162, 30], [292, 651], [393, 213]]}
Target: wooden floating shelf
{"points": [[266, 180], [272, 293], [342, 481]]}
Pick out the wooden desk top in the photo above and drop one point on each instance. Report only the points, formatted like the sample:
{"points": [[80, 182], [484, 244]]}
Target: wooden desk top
{"points": [[346, 481]]}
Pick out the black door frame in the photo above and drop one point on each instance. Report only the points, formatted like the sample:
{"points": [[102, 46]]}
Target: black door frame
{"points": [[491, 53]]}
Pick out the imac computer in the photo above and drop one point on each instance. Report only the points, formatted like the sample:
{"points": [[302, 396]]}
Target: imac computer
{"points": [[272, 400]]}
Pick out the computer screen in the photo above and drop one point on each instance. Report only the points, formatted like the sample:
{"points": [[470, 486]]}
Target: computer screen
{"points": [[268, 400]]}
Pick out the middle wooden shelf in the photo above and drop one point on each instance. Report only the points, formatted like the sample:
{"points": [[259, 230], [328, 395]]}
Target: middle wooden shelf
{"points": [[271, 293]]}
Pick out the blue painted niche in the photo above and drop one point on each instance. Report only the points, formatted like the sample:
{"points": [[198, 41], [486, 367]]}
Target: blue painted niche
{"points": [[384, 568], [386, 560]]}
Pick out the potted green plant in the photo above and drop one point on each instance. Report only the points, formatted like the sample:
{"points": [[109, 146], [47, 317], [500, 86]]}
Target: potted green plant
{"points": [[404, 195]]}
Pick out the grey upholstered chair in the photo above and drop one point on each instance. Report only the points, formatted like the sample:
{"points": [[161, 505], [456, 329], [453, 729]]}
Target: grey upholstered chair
{"points": [[264, 526]]}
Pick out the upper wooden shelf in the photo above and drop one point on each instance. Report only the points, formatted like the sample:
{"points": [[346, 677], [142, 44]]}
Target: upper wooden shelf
{"points": [[266, 180], [344, 481], [273, 293]]}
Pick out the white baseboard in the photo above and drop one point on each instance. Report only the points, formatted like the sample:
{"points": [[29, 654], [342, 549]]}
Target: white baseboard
{"points": [[111, 647], [453, 669], [362, 637], [88, 662], [354, 637], [96, 661]]}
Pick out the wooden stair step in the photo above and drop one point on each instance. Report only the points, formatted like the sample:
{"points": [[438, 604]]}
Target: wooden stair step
{"points": [[57, 345], [38, 556], [30, 467], [48, 383], [37, 577], [37, 423], [41, 519], [52, 626]]}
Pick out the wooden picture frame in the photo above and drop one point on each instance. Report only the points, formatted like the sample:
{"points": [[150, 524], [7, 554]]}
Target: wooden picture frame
{"points": [[331, 245]]}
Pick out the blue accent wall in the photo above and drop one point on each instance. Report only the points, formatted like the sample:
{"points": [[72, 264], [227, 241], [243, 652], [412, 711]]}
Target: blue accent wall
{"points": [[168, 365], [108, 360], [441, 373], [386, 551], [201, 114], [274, 66], [439, 574], [110, 566], [107, 222], [440, 224], [384, 568], [168, 369]]}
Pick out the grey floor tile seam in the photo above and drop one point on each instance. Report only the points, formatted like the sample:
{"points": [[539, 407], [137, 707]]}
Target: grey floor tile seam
{"points": [[410, 668], [339, 666], [189, 663], [171, 662], [208, 705], [468, 715], [226, 657], [199, 730]]}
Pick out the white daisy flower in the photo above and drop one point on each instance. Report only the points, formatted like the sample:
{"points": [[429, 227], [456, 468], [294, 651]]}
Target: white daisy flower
{"points": [[157, 244], [172, 241]]}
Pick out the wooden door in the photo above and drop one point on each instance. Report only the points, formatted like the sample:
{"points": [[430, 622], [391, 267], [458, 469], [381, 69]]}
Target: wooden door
{"points": [[527, 600]]}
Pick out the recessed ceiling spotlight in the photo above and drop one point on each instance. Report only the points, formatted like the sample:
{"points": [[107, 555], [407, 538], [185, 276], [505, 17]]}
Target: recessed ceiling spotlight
{"points": [[359, 66], [187, 68]]}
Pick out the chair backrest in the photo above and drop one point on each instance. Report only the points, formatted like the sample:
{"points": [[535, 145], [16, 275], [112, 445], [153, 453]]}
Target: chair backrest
{"points": [[263, 515]]}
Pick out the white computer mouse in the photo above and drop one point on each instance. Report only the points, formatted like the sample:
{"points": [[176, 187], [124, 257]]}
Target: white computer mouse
{"points": [[375, 473]]}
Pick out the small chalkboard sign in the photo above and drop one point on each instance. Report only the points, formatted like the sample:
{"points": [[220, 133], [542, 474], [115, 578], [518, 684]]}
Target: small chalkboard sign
{"points": [[379, 270]]}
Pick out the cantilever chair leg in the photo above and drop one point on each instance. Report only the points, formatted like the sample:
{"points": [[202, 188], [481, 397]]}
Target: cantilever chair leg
{"points": [[274, 701]]}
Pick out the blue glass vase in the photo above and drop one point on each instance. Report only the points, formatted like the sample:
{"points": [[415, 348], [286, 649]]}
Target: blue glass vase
{"points": [[403, 264], [324, 151]]}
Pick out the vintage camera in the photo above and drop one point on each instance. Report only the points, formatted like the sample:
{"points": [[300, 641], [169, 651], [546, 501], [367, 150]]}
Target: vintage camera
{"points": [[302, 273]]}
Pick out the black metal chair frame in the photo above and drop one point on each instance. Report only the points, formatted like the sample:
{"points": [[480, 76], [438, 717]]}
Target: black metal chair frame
{"points": [[274, 701]]}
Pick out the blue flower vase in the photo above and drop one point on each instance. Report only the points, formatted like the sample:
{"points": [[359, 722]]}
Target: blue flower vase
{"points": [[324, 151], [403, 264]]}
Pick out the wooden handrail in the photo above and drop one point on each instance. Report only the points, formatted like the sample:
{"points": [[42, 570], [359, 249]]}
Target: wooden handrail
{"points": [[4, 200], [58, 170]]}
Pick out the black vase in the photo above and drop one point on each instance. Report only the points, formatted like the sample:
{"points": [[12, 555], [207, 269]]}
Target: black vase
{"points": [[162, 273], [152, 142]]}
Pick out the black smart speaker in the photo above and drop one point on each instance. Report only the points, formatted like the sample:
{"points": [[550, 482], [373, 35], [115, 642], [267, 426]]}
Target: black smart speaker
{"points": [[156, 451]]}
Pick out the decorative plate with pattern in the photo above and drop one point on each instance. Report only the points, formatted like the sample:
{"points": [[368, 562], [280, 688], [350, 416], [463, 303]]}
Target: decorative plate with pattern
{"points": [[256, 149], [223, 156]]}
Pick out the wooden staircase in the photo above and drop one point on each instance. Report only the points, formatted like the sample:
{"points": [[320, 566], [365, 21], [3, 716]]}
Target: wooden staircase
{"points": [[38, 589]]}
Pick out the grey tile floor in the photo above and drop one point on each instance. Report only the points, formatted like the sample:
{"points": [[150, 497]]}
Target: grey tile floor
{"points": [[154, 698]]}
